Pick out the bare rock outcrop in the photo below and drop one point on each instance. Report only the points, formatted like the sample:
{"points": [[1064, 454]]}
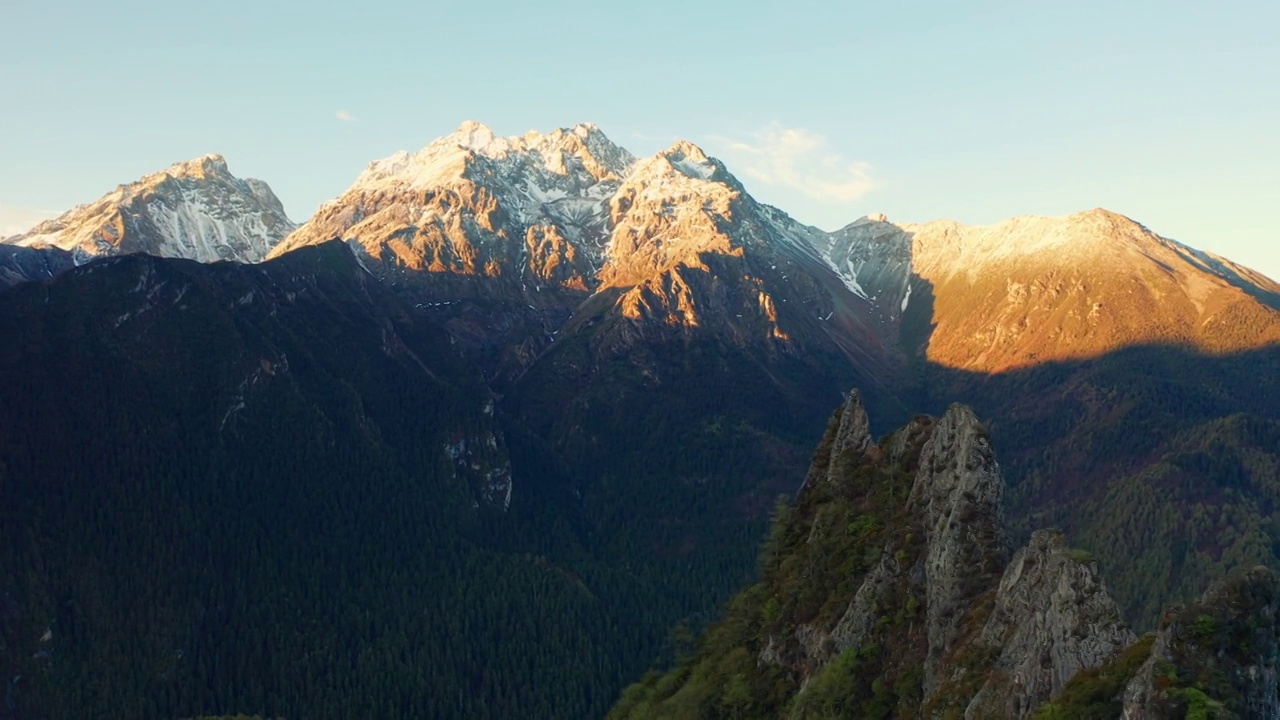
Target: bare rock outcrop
{"points": [[854, 435], [992, 637], [887, 590], [961, 493], [1219, 657], [851, 440], [1052, 617]]}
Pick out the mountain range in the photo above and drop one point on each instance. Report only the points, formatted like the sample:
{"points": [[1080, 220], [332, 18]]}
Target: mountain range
{"points": [[593, 370]]}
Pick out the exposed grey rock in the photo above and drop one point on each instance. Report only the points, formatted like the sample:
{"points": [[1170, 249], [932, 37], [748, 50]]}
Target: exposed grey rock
{"points": [[855, 429], [874, 255], [1143, 699], [956, 499], [1053, 616], [772, 653], [1026, 626], [936, 600], [525, 242], [471, 207], [1231, 635], [852, 439], [860, 619], [961, 493], [482, 459], [906, 439]]}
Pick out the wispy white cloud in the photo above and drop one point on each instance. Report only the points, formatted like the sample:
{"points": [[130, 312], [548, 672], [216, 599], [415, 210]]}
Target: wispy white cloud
{"points": [[799, 160], [16, 220], [345, 116]]}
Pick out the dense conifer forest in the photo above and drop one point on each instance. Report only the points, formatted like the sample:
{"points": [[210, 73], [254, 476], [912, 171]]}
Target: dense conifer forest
{"points": [[191, 527], [226, 490]]}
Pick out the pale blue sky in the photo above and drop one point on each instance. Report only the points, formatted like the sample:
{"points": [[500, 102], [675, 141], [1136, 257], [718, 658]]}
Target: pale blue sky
{"points": [[1168, 111]]}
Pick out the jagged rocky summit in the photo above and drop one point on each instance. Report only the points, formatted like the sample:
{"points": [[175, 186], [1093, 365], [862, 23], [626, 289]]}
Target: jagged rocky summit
{"points": [[889, 589], [517, 242], [195, 210]]}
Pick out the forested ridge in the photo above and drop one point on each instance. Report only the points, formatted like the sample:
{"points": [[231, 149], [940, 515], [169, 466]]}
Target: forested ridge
{"points": [[1159, 460], [226, 492], [885, 590], [811, 563], [233, 489]]}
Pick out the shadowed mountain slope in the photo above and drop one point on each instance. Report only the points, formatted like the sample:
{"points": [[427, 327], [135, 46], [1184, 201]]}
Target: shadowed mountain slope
{"points": [[267, 489]]}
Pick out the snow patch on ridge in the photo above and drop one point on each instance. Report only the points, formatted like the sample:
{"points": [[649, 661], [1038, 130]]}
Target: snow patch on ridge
{"points": [[702, 171], [849, 277]]}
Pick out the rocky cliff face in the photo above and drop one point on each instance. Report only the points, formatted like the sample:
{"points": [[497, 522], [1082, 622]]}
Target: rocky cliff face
{"points": [[888, 589], [1052, 617], [1107, 362], [1218, 657], [1049, 614], [959, 491], [496, 239], [195, 210], [850, 442]]}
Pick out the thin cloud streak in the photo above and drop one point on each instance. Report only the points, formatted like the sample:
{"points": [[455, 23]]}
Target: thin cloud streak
{"points": [[799, 160], [345, 116]]}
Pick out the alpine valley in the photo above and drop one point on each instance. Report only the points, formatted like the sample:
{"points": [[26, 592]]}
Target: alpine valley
{"points": [[503, 427]]}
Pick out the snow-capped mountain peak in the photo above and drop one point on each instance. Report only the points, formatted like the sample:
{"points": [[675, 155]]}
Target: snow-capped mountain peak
{"points": [[197, 168], [473, 203], [477, 215], [194, 209], [1083, 237], [691, 161], [470, 134], [680, 174], [508, 187]]}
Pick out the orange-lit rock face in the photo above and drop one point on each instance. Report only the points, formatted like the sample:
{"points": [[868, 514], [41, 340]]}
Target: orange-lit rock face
{"points": [[667, 214], [691, 250], [683, 245], [437, 240], [1033, 290], [570, 211], [667, 298], [552, 258], [1053, 314], [527, 209], [440, 231]]}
